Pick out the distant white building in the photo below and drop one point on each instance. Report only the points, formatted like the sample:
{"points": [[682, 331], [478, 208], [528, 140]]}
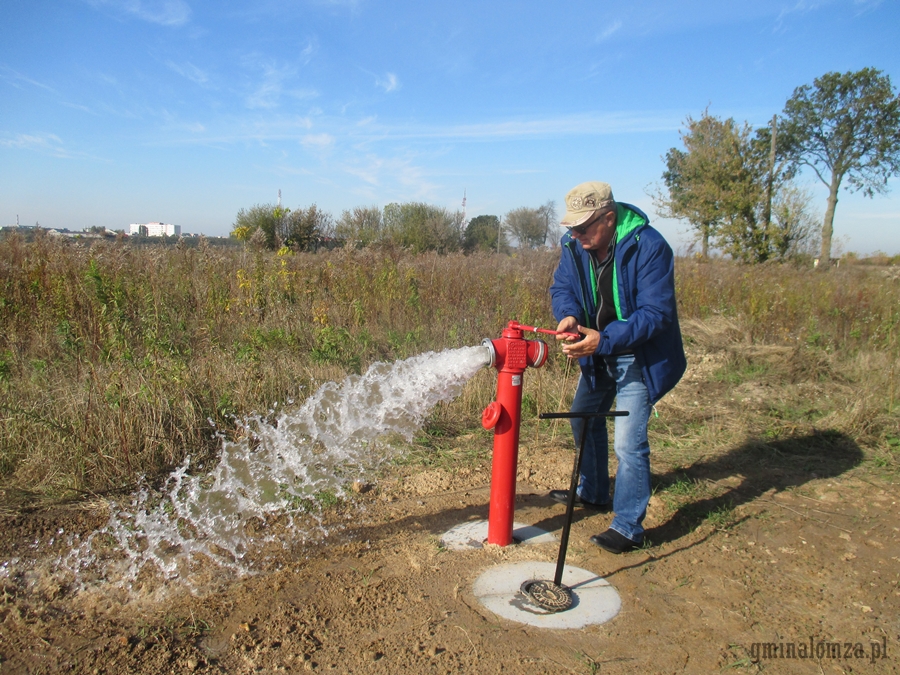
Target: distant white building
{"points": [[155, 229]]}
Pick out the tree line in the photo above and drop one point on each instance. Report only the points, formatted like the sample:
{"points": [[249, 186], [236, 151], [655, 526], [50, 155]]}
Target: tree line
{"points": [[415, 226], [736, 185]]}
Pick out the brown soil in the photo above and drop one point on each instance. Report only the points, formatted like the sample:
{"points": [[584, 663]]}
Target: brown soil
{"points": [[787, 541]]}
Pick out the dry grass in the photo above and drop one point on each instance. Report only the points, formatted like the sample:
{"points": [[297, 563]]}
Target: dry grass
{"points": [[116, 362]]}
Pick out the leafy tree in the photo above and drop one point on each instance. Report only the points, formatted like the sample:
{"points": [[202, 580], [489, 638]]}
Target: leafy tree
{"points": [[274, 226], [720, 184], [422, 227], [263, 217], [711, 181], [362, 225], [528, 226], [481, 235], [846, 125], [301, 228]]}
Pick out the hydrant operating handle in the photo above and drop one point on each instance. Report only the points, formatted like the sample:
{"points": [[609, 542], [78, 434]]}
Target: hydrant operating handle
{"points": [[546, 331]]}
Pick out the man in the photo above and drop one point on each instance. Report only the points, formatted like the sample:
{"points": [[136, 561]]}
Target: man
{"points": [[615, 285]]}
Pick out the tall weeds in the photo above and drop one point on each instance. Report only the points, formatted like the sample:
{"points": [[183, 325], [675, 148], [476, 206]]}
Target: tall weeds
{"points": [[848, 308], [117, 361]]}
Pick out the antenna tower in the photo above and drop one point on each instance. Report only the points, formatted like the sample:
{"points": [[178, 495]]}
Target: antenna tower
{"points": [[464, 206], [279, 198]]}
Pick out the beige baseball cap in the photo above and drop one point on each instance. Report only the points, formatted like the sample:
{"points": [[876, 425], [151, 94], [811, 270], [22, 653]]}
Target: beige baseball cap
{"points": [[584, 200]]}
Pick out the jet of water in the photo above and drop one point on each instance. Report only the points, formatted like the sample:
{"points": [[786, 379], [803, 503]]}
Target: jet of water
{"points": [[277, 470]]}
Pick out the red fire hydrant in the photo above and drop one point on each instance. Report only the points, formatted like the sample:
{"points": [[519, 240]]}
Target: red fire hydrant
{"points": [[510, 355]]}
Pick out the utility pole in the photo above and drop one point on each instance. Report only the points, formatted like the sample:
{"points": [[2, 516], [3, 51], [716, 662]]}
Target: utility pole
{"points": [[771, 181]]}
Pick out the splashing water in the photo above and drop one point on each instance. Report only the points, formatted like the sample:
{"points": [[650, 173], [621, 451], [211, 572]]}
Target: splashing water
{"points": [[278, 471]]}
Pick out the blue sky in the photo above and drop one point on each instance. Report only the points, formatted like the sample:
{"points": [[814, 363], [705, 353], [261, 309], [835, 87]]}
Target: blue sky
{"points": [[184, 111]]}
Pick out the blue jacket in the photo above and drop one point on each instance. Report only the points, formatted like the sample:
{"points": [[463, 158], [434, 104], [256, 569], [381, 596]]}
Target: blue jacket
{"points": [[644, 284]]}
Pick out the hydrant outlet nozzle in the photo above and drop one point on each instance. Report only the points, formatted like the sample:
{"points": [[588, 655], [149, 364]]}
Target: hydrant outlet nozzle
{"points": [[487, 342]]}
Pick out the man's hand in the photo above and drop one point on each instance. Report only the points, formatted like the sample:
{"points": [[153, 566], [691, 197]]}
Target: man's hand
{"points": [[584, 347], [567, 325]]}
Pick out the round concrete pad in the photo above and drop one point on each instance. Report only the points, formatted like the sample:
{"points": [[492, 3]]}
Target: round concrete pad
{"points": [[594, 601], [472, 535]]}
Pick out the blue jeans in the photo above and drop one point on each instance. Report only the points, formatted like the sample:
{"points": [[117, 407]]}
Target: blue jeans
{"points": [[624, 383]]}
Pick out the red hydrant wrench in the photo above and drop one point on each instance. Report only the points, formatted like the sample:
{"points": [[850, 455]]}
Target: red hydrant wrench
{"points": [[547, 331]]}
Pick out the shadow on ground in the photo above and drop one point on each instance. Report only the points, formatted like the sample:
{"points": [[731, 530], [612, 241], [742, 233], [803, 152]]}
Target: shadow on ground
{"points": [[741, 475], [758, 466]]}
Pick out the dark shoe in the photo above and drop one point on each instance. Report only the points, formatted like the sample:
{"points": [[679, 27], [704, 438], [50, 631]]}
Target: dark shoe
{"points": [[614, 542], [562, 496]]}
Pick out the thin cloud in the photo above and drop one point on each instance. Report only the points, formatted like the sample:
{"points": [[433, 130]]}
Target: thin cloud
{"points": [[369, 131], [609, 31], [162, 12], [174, 124], [44, 143], [78, 106], [352, 5], [801, 7], [15, 78], [320, 141], [576, 125], [224, 132], [189, 71], [273, 81], [303, 95], [389, 82], [866, 6], [307, 52], [267, 92], [379, 171]]}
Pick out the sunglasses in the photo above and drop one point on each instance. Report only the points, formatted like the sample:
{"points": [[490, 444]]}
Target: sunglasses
{"points": [[582, 229]]}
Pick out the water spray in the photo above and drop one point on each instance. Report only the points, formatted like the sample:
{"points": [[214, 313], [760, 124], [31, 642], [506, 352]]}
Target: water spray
{"points": [[220, 516]]}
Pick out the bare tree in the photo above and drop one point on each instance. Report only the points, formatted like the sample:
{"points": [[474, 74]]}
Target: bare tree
{"points": [[551, 222]]}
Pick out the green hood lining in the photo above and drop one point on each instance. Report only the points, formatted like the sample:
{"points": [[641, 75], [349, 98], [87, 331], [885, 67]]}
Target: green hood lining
{"points": [[627, 221]]}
